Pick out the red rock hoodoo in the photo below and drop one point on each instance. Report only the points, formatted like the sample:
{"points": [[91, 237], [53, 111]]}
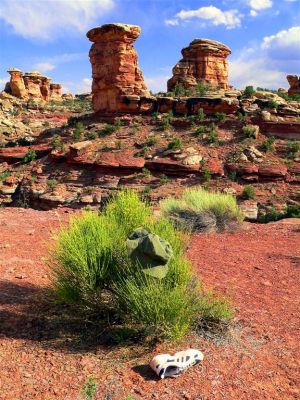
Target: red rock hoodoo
{"points": [[117, 78], [294, 82], [32, 85], [204, 60]]}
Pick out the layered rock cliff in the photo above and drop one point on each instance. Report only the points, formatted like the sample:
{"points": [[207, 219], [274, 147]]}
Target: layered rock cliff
{"points": [[114, 60], [204, 61]]}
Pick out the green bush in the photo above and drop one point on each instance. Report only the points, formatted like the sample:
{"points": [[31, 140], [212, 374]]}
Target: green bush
{"points": [[200, 115], [220, 116], [90, 268], [200, 131], [272, 104], [52, 183], [4, 175], [249, 131], [197, 202], [77, 134], [175, 144], [291, 211], [56, 143], [29, 156], [206, 175], [293, 147], [249, 92], [248, 193], [268, 144]]}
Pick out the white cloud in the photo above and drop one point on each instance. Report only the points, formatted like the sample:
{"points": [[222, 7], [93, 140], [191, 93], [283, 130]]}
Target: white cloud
{"points": [[3, 82], [260, 4], [47, 19], [268, 64], [172, 22], [253, 13], [284, 39], [157, 83], [230, 18], [44, 67], [83, 86]]}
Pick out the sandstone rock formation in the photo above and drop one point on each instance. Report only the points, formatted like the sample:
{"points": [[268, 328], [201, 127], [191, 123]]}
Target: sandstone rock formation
{"points": [[116, 74], [32, 85], [55, 91], [16, 86], [204, 60], [294, 82]]}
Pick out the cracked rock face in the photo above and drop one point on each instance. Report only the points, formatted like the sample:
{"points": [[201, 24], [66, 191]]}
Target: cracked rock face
{"points": [[204, 60], [114, 60]]}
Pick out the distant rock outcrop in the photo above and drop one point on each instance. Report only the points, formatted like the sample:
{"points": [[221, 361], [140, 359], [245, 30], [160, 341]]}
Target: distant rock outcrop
{"points": [[32, 85], [294, 82], [114, 60], [204, 61]]}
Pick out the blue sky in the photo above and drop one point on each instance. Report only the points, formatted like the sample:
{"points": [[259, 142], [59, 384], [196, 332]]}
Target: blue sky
{"points": [[49, 36]]}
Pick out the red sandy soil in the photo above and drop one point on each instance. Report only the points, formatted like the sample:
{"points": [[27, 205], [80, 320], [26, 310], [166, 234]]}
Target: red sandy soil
{"points": [[257, 267]]}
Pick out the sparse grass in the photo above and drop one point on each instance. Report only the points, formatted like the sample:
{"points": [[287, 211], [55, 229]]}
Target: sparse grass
{"points": [[248, 193], [77, 134], [91, 268], [197, 202], [163, 179]]}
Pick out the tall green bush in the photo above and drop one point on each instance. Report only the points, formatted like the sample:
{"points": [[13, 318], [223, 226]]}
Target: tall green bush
{"points": [[91, 268]]}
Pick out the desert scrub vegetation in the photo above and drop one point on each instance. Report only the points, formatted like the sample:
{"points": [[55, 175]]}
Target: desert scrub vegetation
{"points": [[91, 269], [201, 210]]}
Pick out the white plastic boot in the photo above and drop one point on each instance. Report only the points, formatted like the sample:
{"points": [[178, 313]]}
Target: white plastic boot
{"points": [[166, 365]]}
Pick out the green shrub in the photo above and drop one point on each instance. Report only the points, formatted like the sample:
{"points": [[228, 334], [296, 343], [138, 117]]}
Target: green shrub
{"points": [[240, 116], [212, 136], [175, 144], [29, 156], [293, 147], [4, 175], [272, 104], [198, 202], [90, 268], [118, 144], [248, 193], [92, 135], [220, 116], [206, 175], [52, 183], [150, 141], [249, 131], [145, 173], [200, 132], [249, 92], [56, 143], [108, 129], [200, 115], [89, 389], [268, 144], [163, 179], [201, 88], [77, 134]]}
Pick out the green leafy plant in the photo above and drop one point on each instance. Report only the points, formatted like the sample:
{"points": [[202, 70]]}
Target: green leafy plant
{"points": [[92, 135], [201, 88], [118, 144], [212, 135], [29, 156], [150, 141], [248, 193], [293, 147], [145, 173]]}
